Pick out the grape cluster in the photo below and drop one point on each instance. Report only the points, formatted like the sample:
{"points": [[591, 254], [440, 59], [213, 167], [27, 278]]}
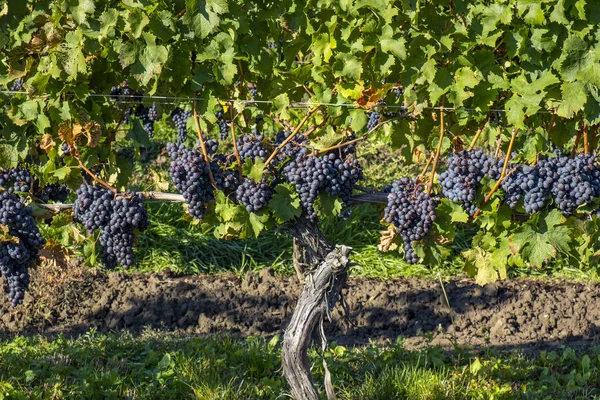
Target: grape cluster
{"points": [[17, 85], [253, 91], [189, 173], [374, 118], [253, 196], [117, 237], [577, 182], [123, 92], [329, 173], [52, 192], [17, 256], [15, 179], [398, 91], [180, 118], [65, 148], [223, 124], [251, 147], [412, 213], [148, 115], [116, 216], [532, 183], [293, 149], [465, 171]]}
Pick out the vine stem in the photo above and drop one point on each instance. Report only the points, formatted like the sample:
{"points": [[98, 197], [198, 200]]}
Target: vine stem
{"points": [[502, 175], [235, 148], [551, 124], [203, 147], [77, 156], [437, 151], [363, 137], [478, 133], [422, 174], [577, 140], [289, 138], [586, 147]]}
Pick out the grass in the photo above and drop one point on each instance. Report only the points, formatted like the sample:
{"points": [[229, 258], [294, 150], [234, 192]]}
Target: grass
{"points": [[162, 366]]}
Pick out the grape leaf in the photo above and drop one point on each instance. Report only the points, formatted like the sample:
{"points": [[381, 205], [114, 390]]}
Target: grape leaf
{"points": [[540, 242], [285, 203]]}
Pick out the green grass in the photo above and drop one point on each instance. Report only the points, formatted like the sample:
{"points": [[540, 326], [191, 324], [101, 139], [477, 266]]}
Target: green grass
{"points": [[162, 366]]}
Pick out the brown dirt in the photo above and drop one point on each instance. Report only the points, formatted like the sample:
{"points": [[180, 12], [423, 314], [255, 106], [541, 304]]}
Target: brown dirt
{"points": [[511, 314]]}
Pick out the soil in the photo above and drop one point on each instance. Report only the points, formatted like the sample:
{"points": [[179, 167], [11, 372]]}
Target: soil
{"points": [[510, 314]]}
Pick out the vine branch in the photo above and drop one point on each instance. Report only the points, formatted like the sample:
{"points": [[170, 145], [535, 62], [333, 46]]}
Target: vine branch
{"points": [[289, 138], [478, 133], [437, 151], [235, 148], [203, 147], [502, 175]]}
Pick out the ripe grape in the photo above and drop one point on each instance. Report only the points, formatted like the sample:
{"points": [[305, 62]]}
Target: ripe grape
{"points": [[16, 257], [412, 212], [461, 180], [374, 118], [17, 85], [189, 174], [253, 196], [180, 118], [117, 217], [313, 174], [223, 124], [251, 146]]}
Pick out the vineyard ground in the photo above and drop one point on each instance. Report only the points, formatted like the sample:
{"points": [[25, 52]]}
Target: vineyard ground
{"points": [[523, 314], [218, 336]]}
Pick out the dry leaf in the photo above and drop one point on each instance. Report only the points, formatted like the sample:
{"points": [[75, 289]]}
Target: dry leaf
{"points": [[46, 143], [386, 242], [93, 132], [458, 144]]}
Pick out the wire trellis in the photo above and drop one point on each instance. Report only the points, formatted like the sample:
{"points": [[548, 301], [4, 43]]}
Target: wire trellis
{"points": [[293, 104]]}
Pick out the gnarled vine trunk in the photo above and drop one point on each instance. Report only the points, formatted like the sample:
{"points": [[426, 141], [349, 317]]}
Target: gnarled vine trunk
{"points": [[325, 272]]}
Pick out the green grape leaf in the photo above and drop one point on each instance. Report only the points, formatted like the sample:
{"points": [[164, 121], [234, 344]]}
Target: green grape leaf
{"points": [[254, 169], [539, 242], [285, 203]]}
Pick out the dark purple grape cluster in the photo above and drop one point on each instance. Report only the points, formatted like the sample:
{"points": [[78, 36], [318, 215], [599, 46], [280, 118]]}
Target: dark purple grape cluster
{"points": [[17, 256], [313, 174], [577, 182], [180, 118], [147, 115], [461, 180], [412, 212], [52, 192], [272, 45], [533, 183], [15, 179], [211, 145], [118, 236], [17, 85], [495, 117], [251, 147], [65, 148], [93, 207], [253, 196], [253, 91], [189, 174], [117, 217], [223, 124], [374, 119], [398, 91], [123, 92], [293, 149]]}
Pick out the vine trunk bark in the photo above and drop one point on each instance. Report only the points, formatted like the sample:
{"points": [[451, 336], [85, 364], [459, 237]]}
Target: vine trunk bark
{"points": [[325, 274]]}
